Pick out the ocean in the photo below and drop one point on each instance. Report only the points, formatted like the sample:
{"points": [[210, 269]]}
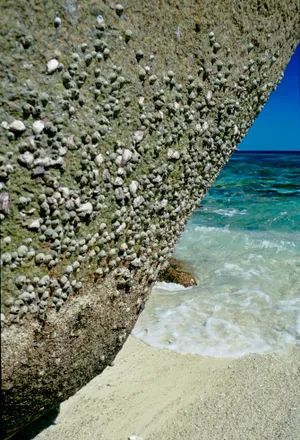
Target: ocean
{"points": [[244, 244]]}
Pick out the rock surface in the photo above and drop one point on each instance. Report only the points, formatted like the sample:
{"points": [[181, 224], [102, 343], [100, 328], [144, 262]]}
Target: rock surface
{"points": [[152, 96], [178, 272]]}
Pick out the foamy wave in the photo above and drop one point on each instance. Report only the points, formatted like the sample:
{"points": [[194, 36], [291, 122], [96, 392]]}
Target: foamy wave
{"points": [[226, 324], [235, 269], [211, 228], [229, 212], [214, 337], [170, 287], [278, 246]]}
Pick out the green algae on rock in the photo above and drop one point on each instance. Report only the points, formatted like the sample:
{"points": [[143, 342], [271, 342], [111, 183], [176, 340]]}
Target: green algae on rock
{"points": [[115, 120]]}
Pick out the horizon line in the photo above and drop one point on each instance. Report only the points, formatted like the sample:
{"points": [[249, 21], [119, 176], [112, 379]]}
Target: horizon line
{"points": [[267, 151]]}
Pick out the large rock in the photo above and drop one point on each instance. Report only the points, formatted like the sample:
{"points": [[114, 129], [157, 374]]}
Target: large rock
{"points": [[140, 108]]}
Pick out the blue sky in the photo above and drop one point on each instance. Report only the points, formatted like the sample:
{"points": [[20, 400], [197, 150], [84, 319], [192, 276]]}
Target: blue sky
{"points": [[278, 125]]}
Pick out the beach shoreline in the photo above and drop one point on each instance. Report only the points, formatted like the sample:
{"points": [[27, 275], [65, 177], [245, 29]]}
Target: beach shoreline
{"points": [[160, 394]]}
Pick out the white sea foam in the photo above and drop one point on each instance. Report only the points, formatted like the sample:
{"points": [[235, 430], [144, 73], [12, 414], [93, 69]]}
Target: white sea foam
{"points": [[205, 335], [170, 287], [218, 323], [235, 269], [260, 243], [206, 229], [229, 212]]}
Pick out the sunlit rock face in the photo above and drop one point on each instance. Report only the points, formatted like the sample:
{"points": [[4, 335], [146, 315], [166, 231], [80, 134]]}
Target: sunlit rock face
{"points": [[115, 121]]}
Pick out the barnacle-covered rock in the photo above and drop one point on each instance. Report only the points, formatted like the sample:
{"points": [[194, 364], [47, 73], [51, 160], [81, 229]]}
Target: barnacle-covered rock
{"points": [[114, 124]]}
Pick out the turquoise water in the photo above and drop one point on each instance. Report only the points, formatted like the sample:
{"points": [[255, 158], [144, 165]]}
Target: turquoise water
{"points": [[244, 243]]}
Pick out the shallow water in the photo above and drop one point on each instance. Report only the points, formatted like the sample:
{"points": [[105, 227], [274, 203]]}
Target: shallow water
{"points": [[244, 243]]}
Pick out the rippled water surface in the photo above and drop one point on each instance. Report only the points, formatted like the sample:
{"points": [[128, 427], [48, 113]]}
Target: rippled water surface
{"points": [[244, 243]]}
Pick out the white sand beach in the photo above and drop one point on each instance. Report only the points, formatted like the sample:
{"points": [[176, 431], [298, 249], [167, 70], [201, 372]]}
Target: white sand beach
{"points": [[159, 394]]}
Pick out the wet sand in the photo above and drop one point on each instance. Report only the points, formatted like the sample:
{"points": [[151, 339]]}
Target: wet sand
{"points": [[157, 394]]}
